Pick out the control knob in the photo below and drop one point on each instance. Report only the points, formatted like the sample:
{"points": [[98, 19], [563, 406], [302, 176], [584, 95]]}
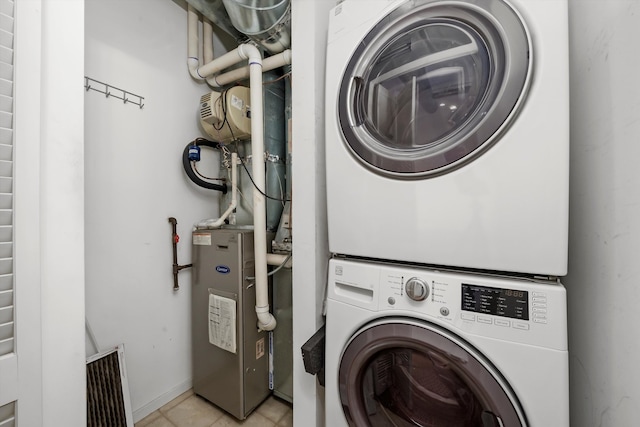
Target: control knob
{"points": [[417, 289]]}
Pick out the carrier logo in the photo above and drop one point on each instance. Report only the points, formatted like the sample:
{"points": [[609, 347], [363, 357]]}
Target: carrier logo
{"points": [[223, 269]]}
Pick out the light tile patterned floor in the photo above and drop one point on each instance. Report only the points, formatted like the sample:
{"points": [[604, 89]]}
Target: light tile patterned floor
{"points": [[189, 410]]}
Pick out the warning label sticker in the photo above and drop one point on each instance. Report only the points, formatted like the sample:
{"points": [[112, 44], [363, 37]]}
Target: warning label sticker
{"points": [[259, 348], [203, 239], [222, 322]]}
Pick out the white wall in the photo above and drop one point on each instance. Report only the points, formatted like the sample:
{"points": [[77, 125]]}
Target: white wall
{"points": [[134, 183], [604, 274], [309, 34]]}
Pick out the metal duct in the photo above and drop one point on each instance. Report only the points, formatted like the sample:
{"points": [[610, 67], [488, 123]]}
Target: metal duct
{"points": [[267, 22], [215, 12], [275, 156]]}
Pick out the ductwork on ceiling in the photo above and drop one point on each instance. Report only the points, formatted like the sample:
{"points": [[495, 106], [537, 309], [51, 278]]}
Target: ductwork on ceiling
{"points": [[267, 22], [215, 12]]}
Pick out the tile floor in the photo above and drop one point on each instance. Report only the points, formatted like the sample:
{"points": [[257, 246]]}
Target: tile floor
{"points": [[189, 410]]}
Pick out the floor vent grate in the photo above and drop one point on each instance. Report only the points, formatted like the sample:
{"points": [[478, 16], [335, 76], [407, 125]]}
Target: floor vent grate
{"points": [[108, 402]]}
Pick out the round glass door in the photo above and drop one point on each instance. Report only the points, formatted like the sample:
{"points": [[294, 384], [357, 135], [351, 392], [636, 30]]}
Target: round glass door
{"points": [[405, 373], [433, 84]]}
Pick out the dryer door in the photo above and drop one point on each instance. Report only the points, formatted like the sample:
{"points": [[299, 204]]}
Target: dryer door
{"points": [[433, 84], [408, 373]]}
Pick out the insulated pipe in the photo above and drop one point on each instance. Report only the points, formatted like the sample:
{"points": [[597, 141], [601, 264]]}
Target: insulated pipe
{"points": [[268, 64], [209, 223], [186, 163], [193, 61]]}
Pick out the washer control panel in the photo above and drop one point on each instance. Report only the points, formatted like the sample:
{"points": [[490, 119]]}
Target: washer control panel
{"points": [[493, 306]]}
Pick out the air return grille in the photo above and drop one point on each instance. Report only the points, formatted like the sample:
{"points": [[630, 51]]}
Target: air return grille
{"points": [[108, 402]]}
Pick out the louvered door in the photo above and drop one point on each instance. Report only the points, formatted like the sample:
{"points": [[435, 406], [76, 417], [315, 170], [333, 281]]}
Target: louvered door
{"points": [[8, 360]]}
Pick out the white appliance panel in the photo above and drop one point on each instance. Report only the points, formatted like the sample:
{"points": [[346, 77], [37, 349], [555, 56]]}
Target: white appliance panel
{"points": [[505, 210], [532, 360]]}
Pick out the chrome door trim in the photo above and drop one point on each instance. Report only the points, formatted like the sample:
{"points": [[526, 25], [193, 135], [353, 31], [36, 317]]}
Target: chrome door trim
{"points": [[509, 44], [357, 357]]}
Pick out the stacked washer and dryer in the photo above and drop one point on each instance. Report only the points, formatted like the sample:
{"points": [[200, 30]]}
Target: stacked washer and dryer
{"points": [[447, 152]]}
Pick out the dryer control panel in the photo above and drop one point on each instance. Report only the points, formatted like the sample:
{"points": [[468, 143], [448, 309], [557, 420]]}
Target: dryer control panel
{"points": [[513, 309]]}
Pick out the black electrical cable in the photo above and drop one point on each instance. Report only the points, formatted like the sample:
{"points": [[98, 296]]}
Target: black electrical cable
{"points": [[256, 187], [222, 99], [186, 164]]}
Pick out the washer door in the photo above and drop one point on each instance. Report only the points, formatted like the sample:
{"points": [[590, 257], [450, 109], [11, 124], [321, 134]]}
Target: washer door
{"points": [[407, 373], [433, 84]]}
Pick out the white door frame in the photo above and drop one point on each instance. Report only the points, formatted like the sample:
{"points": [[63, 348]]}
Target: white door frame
{"points": [[49, 206]]}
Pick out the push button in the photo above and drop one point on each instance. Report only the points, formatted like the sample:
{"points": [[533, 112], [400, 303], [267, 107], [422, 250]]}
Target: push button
{"points": [[484, 319], [523, 326], [467, 316], [502, 322]]}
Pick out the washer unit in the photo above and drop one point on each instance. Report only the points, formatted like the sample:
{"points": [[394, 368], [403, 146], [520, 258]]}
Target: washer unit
{"points": [[408, 346], [447, 136]]}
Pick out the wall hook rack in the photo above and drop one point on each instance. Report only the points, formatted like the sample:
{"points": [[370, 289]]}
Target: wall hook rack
{"points": [[108, 91]]}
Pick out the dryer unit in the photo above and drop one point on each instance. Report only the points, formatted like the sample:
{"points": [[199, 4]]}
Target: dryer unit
{"points": [[408, 346], [447, 133]]}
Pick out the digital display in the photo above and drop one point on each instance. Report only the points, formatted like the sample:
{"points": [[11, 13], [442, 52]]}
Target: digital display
{"points": [[495, 301]]}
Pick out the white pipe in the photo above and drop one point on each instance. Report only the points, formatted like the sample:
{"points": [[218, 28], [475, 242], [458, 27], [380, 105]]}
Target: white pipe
{"points": [[207, 34], [212, 66], [210, 223], [193, 61], [219, 64], [278, 259], [270, 63], [207, 42], [266, 321]]}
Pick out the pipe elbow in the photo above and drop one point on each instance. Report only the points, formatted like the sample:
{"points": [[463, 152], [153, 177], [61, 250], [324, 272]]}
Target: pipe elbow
{"points": [[193, 64], [213, 82], [251, 53], [286, 55], [266, 321]]}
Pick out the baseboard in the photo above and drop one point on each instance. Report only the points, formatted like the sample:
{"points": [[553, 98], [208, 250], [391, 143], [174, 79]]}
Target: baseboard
{"points": [[161, 400]]}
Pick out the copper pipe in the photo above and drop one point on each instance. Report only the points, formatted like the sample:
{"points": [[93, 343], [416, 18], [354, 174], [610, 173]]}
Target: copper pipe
{"points": [[174, 240]]}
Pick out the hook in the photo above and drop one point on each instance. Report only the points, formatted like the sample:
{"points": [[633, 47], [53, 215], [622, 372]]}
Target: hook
{"points": [[107, 92]]}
